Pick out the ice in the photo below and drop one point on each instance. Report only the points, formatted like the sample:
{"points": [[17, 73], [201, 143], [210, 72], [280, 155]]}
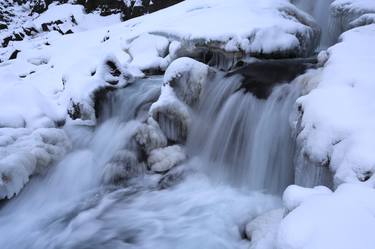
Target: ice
{"points": [[163, 159], [25, 152]]}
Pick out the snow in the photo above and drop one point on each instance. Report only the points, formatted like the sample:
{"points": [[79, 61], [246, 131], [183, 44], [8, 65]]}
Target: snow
{"points": [[149, 136], [49, 60], [343, 219], [187, 78], [337, 122], [347, 14], [262, 231], [148, 52], [163, 159], [25, 152], [294, 195]]}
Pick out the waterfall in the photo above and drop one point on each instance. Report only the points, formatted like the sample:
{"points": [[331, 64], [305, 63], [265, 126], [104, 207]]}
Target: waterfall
{"points": [[243, 140], [85, 203], [320, 10]]}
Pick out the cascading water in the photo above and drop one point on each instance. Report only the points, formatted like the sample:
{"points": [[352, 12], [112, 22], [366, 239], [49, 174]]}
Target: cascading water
{"points": [[244, 140], [75, 206], [320, 10]]}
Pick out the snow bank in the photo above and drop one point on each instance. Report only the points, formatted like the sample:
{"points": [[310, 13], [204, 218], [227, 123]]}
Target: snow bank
{"points": [[24, 152], [24, 106], [337, 123], [343, 219]]}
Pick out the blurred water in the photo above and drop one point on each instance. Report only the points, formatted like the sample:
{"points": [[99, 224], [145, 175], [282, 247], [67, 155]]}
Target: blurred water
{"points": [[243, 140], [320, 10], [71, 208]]}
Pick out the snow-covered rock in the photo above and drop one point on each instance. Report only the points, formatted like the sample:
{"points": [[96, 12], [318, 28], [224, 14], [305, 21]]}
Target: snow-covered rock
{"points": [[187, 78], [25, 152], [262, 231], [172, 115], [347, 14], [336, 124], [148, 52], [123, 166], [343, 219], [295, 195], [149, 136], [163, 159]]}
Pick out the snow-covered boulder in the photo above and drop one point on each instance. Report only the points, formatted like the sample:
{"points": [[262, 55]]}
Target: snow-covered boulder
{"points": [[122, 167], [172, 115], [343, 219], [283, 31], [82, 89], [149, 136], [187, 78], [148, 52], [25, 152], [336, 118], [262, 230], [347, 14], [294, 195], [163, 159]]}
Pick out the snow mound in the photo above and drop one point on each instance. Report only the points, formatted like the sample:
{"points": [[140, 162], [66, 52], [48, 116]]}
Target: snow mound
{"points": [[163, 159], [148, 52], [24, 106], [336, 127], [295, 195], [262, 231], [25, 152], [343, 219]]}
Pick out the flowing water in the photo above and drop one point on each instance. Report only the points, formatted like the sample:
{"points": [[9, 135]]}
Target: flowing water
{"points": [[320, 10], [237, 144], [244, 140]]}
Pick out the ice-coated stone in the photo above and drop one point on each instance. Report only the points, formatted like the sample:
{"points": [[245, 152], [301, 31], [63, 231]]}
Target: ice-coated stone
{"points": [[163, 159], [25, 152], [122, 167], [149, 136]]}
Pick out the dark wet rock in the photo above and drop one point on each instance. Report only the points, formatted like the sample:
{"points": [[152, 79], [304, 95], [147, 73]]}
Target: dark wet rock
{"points": [[3, 26], [75, 110], [14, 54], [261, 75]]}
